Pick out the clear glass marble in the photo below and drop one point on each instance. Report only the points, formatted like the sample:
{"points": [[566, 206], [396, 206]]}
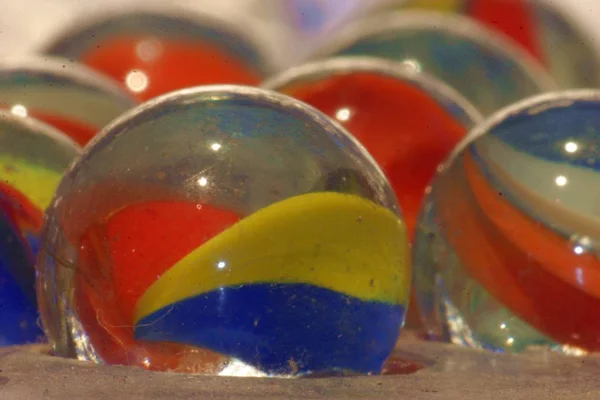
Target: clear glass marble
{"points": [[545, 29], [33, 157], [67, 95], [506, 253], [485, 67], [155, 49], [226, 230]]}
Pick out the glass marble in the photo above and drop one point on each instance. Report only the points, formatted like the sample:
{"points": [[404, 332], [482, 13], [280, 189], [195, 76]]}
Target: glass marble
{"points": [[507, 250], [408, 121], [71, 97], [155, 51], [482, 65], [32, 159], [226, 230], [315, 17], [546, 30]]}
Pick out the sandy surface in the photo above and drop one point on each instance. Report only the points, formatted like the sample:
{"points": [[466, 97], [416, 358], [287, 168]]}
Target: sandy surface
{"points": [[449, 373]]}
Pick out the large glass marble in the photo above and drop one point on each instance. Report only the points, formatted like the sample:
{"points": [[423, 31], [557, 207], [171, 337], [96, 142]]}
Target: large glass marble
{"points": [[546, 30], [33, 157], [485, 67], [507, 251], [225, 230], [155, 50], [69, 96]]}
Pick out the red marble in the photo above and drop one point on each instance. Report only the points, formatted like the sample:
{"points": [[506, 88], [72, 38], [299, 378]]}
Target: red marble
{"points": [[167, 64], [405, 129]]}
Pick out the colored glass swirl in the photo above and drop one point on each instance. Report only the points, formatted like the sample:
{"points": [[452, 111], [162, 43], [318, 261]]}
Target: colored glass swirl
{"points": [[509, 233], [486, 68], [408, 121], [153, 52], [32, 158], [545, 30], [68, 96], [248, 236]]}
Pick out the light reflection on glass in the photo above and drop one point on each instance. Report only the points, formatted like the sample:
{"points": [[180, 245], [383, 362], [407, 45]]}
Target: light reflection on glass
{"points": [[137, 81], [571, 147], [215, 146], [412, 65], [19, 110], [202, 181], [579, 275], [561, 180], [238, 368], [148, 50], [343, 114]]}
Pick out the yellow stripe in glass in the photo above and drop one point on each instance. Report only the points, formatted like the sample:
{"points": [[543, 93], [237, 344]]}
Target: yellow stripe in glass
{"points": [[35, 182], [436, 5], [336, 241]]}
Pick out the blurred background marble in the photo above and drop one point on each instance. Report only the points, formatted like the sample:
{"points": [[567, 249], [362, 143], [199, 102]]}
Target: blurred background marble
{"points": [[28, 24]]}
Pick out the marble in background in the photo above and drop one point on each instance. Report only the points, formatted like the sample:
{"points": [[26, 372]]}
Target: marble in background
{"points": [[27, 24]]}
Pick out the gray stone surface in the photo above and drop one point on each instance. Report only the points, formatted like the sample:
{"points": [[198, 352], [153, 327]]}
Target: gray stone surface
{"points": [[450, 373]]}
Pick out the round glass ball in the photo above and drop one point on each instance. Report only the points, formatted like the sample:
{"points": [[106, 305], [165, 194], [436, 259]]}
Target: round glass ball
{"points": [[545, 29], [154, 50], [488, 69], [226, 230], [507, 250], [33, 157], [67, 95]]}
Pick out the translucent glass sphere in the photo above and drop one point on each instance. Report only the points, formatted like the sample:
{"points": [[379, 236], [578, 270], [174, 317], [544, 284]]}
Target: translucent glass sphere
{"points": [[482, 65], [154, 50], [226, 230], [545, 29], [507, 250], [33, 157], [69, 96]]}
